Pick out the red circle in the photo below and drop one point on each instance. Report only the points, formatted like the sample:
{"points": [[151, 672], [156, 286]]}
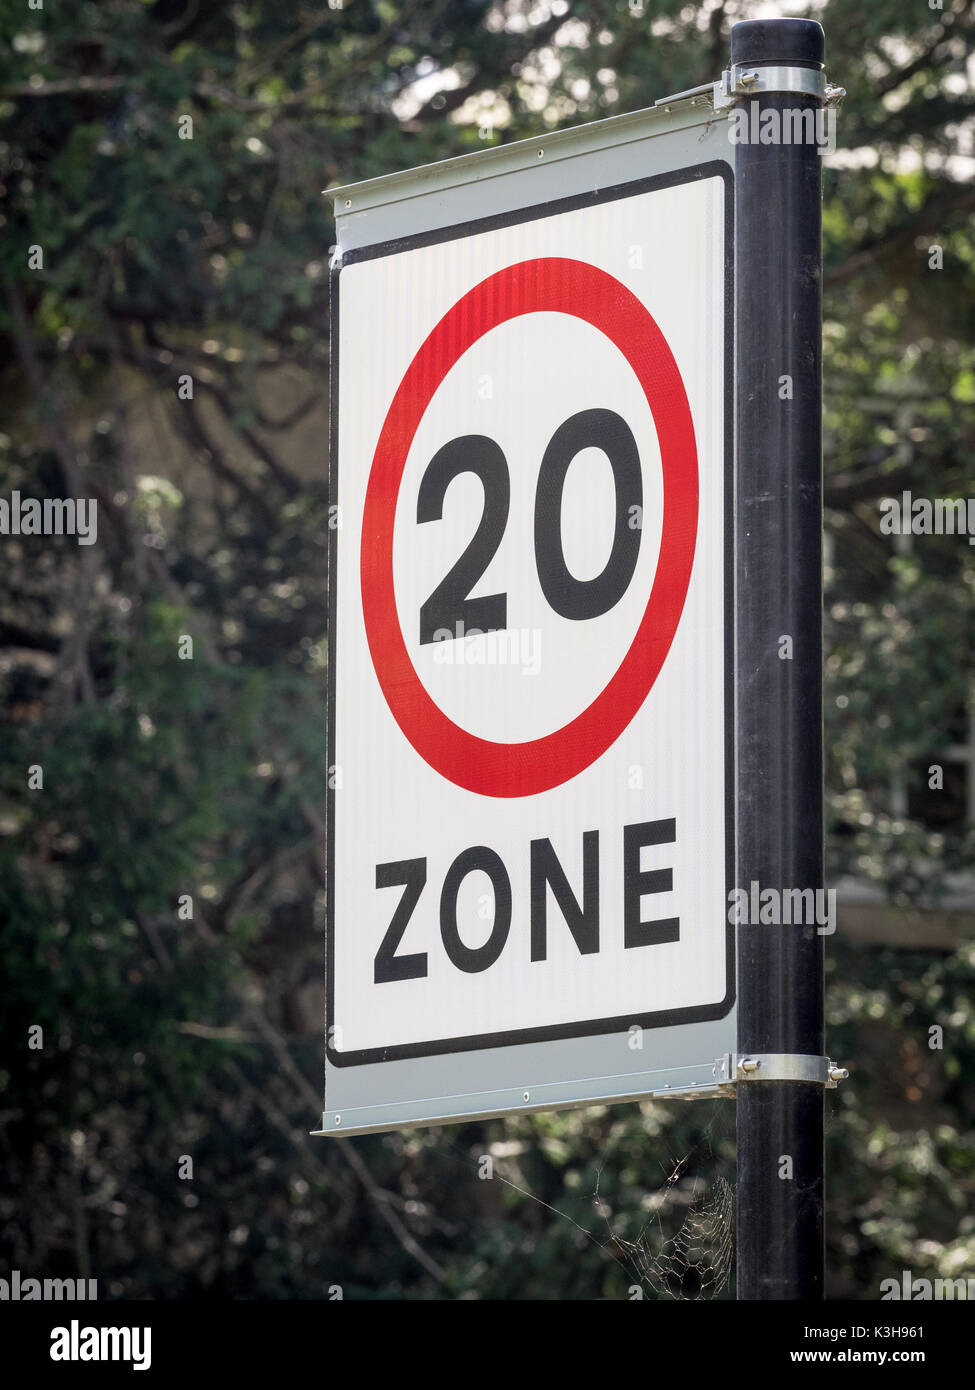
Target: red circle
{"points": [[547, 285]]}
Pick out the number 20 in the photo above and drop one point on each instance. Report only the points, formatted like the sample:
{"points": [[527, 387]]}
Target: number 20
{"points": [[449, 607]]}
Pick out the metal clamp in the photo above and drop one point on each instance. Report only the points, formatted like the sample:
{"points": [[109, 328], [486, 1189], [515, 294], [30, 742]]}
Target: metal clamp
{"points": [[747, 80], [778, 1066]]}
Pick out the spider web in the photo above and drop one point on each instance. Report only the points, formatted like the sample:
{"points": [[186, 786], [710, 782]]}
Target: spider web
{"points": [[685, 1249], [695, 1263]]}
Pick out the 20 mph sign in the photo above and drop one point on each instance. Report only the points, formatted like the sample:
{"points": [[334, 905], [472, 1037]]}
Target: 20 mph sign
{"points": [[530, 760]]}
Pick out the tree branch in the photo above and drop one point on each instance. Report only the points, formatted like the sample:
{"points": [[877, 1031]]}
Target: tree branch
{"points": [[930, 217]]}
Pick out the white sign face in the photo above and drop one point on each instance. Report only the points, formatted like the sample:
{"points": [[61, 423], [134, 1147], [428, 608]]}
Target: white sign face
{"points": [[530, 735]]}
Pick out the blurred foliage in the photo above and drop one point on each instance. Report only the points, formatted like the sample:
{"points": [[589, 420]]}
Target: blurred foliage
{"points": [[167, 257]]}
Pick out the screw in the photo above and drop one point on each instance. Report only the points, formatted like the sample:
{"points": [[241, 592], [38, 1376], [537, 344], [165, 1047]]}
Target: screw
{"points": [[749, 1064], [527, 1095], [338, 1119], [540, 153]]}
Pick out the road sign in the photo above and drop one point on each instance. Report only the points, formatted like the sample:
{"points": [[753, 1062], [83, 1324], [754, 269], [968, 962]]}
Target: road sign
{"points": [[530, 624]]}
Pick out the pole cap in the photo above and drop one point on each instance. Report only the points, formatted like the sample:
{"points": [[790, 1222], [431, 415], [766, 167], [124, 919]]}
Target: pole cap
{"points": [[796, 42]]}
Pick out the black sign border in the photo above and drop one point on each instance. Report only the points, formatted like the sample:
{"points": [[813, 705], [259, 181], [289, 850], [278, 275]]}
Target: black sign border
{"points": [[665, 1017]]}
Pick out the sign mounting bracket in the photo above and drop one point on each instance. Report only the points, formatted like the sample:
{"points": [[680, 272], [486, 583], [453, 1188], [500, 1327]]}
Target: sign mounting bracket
{"points": [[777, 1066], [750, 79]]}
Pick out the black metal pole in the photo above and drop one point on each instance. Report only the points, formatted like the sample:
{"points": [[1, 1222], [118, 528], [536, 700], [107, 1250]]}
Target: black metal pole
{"points": [[779, 660]]}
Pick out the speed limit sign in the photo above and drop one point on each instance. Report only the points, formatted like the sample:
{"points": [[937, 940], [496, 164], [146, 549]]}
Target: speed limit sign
{"points": [[530, 758]]}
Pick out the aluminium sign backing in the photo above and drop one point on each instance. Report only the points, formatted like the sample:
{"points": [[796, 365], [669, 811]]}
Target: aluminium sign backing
{"points": [[530, 723]]}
